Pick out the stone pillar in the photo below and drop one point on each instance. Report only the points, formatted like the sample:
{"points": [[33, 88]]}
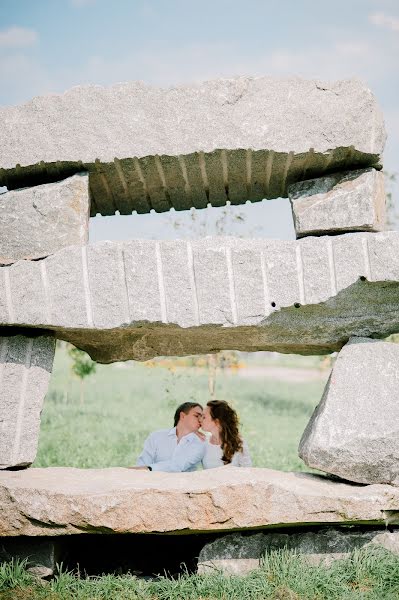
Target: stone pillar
{"points": [[25, 369], [340, 202], [353, 432]]}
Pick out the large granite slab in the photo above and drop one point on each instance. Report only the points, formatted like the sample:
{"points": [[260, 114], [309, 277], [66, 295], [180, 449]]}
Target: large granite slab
{"points": [[230, 139], [140, 299], [36, 222], [57, 501], [354, 431], [25, 370]]}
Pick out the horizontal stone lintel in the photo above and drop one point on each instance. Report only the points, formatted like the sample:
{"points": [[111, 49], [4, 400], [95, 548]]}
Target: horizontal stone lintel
{"points": [[140, 299], [234, 140], [60, 500]]}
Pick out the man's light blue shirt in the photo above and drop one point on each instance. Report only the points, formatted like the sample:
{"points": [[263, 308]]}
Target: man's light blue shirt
{"points": [[162, 452]]}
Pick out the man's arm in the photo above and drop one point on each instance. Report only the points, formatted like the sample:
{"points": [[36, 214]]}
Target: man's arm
{"points": [[147, 457], [188, 453]]}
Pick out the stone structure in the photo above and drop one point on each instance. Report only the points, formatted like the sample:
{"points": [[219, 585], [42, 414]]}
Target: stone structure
{"points": [[141, 299], [25, 369], [238, 554], [58, 501], [233, 139], [340, 202], [36, 222], [139, 148], [354, 430]]}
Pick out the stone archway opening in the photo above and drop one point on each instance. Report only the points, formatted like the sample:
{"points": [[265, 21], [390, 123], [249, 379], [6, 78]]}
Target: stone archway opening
{"points": [[123, 402]]}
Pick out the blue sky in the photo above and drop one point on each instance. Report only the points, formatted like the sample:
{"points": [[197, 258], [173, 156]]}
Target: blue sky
{"points": [[47, 46]]}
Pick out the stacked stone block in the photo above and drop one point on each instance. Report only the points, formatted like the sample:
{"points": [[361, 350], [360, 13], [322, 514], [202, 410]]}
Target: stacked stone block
{"points": [[36, 222], [349, 201]]}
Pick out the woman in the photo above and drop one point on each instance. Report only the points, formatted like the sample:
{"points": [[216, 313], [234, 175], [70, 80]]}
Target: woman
{"points": [[224, 446]]}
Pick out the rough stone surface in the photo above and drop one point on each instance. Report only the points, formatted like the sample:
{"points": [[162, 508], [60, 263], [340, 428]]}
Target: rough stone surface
{"points": [[36, 222], [60, 500], [25, 369], [238, 554], [354, 431], [140, 299], [41, 555], [231, 139], [349, 201]]}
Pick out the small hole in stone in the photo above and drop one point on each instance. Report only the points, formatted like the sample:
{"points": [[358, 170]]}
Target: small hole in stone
{"points": [[297, 305], [273, 304], [362, 278]]}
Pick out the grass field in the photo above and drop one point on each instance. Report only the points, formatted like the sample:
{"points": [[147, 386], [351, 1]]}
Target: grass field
{"points": [[371, 574], [124, 402]]}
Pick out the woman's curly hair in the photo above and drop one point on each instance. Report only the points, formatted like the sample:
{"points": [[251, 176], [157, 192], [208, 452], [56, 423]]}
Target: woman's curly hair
{"points": [[229, 423]]}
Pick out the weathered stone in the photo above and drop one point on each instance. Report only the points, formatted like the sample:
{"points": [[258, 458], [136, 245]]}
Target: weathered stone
{"points": [[25, 369], [231, 139], [36, 222], [60, 500], [41, 555], [140, 299], [238, 554], [354, 431], [349, 201]]}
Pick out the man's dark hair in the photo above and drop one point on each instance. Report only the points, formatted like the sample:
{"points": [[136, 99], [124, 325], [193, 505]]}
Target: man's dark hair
{"points": [[185, 407]]}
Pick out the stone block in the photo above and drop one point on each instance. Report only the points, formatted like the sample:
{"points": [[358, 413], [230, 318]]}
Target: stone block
{"points": [[25, 369], [142, 298], [38, 221], [41, 555], [231, 139], [353, 432], [238, 554], [340, 202], [60, 501]]}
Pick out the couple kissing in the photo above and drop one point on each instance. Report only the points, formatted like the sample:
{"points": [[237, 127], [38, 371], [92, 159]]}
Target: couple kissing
{"points": [[207, 437]]}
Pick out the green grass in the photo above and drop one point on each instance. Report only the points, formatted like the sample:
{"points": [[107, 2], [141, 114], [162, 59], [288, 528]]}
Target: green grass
{"points": [[367, 574], [124, 402]]}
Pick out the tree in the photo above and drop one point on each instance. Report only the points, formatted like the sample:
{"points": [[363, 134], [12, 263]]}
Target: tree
{"points": [[82, 366]]}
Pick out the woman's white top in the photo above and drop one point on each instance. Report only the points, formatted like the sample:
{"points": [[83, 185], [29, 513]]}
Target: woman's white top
{"points": [[213, 456]]}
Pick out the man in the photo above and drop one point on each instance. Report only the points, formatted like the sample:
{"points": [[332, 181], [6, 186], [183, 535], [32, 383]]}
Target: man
{"points": [[178, 449]]}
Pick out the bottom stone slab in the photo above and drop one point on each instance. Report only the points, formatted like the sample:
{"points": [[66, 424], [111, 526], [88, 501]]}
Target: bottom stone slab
{"points": [[237, 554], [59, 500]]}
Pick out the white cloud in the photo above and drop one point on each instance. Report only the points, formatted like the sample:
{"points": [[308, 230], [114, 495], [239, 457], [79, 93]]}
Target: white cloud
{"points": [[382, 20], [18, 37]]}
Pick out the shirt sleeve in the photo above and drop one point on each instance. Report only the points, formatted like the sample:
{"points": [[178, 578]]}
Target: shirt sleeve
{"points": [[242, 459], [147, 456], [187, 454]]}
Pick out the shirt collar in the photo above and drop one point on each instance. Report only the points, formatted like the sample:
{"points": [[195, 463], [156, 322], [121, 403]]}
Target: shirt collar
{"points": [[172, 431]]}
